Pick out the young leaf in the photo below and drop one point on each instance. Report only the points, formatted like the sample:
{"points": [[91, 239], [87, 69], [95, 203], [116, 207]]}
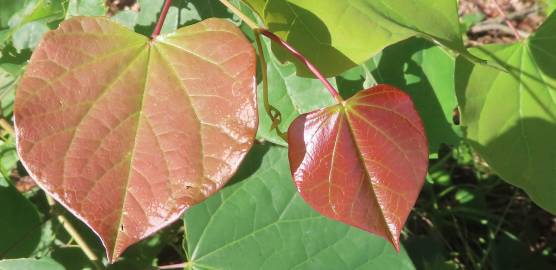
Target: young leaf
{"points": [[337, 35], [510, 117], [426, 72], [263, 223], [362, 162], [126, 132]]}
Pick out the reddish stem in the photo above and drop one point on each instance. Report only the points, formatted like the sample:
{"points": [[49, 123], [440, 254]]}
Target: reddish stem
{"points": [[305, 61], [508, 22], [161, 19]]}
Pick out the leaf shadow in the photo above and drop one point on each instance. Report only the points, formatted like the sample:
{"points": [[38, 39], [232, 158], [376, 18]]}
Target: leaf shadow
{"points": [[188, 12], [307, 28], [20, 226], [544, 38], [397, 66], [516, 73], [521, 156], [250, 164]]}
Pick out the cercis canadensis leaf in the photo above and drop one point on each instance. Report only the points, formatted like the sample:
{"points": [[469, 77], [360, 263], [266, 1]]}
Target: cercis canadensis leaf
{"points": [[362, 162], [128, 132]]}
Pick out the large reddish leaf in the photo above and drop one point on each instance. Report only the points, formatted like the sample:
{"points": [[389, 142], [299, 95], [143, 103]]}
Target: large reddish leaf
{"points": [[127, 133], [362, 162]]}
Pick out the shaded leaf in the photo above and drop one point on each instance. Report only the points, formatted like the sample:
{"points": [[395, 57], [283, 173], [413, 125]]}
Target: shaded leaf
{"points": [[510, 117], [362, 162], [20, 225], [157, 127], [9, 7], [29, 25], [86, 8], [261, 222], [290, 94], [337, 35], [26, 264]]}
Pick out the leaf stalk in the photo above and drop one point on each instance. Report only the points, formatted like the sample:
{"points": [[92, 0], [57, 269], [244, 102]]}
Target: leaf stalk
{"points": [[333, 92], [161, 19]]}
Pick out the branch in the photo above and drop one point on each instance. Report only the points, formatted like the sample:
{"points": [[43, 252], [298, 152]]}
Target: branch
{"points": [[240, 14], [508, 22], [76, 236]]}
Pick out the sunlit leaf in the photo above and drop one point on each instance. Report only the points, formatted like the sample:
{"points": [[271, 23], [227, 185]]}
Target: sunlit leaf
{"points": [[261, 222], [127, 133], [362, 162], [337, 35], [510, 117]]}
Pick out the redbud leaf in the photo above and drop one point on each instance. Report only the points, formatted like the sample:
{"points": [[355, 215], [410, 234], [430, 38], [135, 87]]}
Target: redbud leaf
{"points": [[362, 162], [127, 132]]}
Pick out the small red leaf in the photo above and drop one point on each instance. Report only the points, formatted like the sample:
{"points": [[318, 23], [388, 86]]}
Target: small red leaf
{"points": [[126, 132], [362, 162]]}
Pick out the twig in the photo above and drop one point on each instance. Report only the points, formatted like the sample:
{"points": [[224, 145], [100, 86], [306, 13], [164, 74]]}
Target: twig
{"points": [[161, 19], [306, 62], [76, 236], [481, 28], [498, 228], [7, 127], [272, 112], [508, 22], [175, 266], [288, 47], [240, 14]]}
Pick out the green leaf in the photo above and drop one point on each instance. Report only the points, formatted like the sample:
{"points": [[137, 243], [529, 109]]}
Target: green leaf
{"points": [[86, 8], [510, 117], [550, 6], [263, 223], [19, 222], [26, 264], [181, 13], [290, 94], [29, 25], [9, 7], [338, 35], [426, 72]]}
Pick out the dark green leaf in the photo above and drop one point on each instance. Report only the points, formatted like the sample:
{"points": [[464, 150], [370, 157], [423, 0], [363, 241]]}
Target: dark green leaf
{"points": [[263, 223], [20, 225], [28, 264]]}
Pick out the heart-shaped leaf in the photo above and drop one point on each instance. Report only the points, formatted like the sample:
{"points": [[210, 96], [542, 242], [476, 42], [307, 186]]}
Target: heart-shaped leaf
{"points": [[337, 35], [262, 223], [510, 117], [362, 162], [127, 133]]}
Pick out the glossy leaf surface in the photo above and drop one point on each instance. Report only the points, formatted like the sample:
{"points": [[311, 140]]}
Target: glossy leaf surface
{"points": [[362, 162], [337, 35], [261, 222], [510, 117], [127, 133], [426, 73]]}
